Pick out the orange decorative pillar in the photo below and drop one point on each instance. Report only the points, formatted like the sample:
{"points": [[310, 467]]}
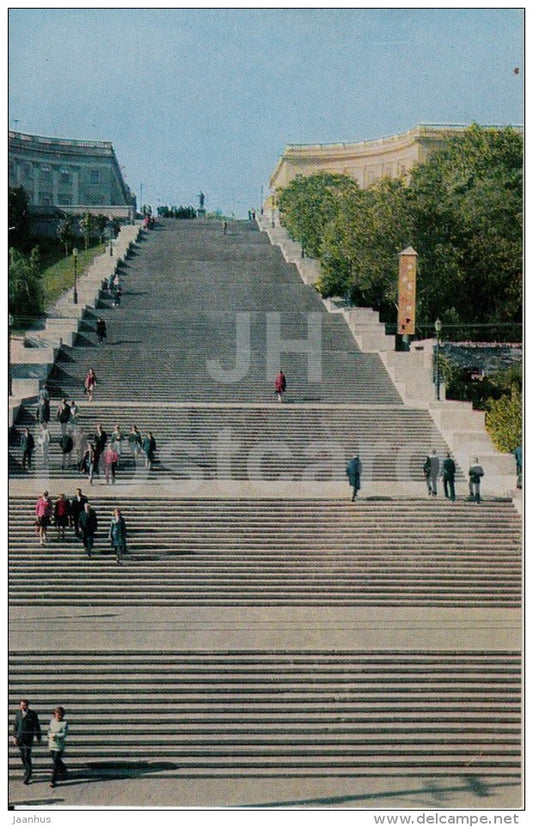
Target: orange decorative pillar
{"points": [[407, 293]]}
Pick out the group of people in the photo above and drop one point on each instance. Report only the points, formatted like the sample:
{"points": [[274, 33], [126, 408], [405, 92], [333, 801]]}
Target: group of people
{"points": [[27, 729], [89, 450], [78, 514], [433, 469]]}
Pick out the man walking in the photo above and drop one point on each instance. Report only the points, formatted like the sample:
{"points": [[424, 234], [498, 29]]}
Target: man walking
{"points": [[27, 443], [117, 534], [26, 728], [353, 472], [448, 477], [431, 470], [63, 415], [77, 506], [475, 472], [88, 526]]}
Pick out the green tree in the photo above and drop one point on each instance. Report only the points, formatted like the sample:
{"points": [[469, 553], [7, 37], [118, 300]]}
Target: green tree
{"points": [[88, 227], [504, 420], [26, 293], [466, 206], [308, 204], [101, 223], [18, 217], [66, 233], [361, 246]]}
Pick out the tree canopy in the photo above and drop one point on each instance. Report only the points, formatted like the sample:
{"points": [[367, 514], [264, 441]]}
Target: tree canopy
{"points": [[462, 212]]}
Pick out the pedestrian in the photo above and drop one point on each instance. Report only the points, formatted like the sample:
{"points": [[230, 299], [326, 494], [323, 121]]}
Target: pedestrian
{"points": [[61, 515], [26, 728], [517, 453], [63, 415], [149, 448], [110, 463], [117, 438], [101, 330], [27, 443], [117, 288], [44, 442], [90, 462], [135, 442], [43, 515], [88, 525], [100, 440], [80, 443], [74, 418], [448, 477], [43, 410], [117, 534], [90, 384], [57, 736], [431, 470], [66, 443], [475, 472], [44, 394], [280, 384], [353, 471], [77, 505]]}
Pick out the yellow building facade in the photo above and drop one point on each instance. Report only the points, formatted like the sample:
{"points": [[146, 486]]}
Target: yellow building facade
{"points": [[365, 161]]}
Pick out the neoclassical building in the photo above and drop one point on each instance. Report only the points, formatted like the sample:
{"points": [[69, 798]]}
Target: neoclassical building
{"points": [[365, 161], [74, 176]]}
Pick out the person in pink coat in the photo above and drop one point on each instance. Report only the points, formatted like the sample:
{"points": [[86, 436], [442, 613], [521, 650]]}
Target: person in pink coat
{"points": [[43, 515]]}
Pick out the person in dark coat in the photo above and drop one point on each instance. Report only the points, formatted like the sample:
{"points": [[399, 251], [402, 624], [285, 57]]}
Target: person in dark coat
{"points": [[353, 472], [117, 534], [88, 526], [25, 729], [63, 415], [66, 443], [475, 472], [149, 448], [101, 330], [27, 443], [448, 477], [43, 411], [431, 471], [77, 505]]}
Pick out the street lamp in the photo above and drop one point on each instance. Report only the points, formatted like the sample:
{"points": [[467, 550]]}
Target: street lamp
{"points": [[75, 256], [438, 328], [273, 208], [111, 234], [10, 381]]}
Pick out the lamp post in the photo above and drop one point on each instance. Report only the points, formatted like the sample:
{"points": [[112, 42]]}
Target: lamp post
{"points": [[111, 236], [438, 328], [10, 381], [273, 222], [75, 256]]}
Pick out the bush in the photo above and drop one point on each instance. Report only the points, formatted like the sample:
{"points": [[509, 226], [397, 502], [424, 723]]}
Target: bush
{"points": [[504, 420]]}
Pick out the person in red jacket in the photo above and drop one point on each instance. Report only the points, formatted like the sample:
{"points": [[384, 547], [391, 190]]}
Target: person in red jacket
{"points": [[61, 515], [280, 384]]}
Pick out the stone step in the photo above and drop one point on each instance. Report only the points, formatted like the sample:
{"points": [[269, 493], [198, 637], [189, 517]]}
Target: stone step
{"points": [[296, 713], [274, 553]]}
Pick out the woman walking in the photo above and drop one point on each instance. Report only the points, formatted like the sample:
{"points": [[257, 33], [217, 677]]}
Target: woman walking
{"points": [[117, 534], [43, 515], [90, 384], [57, 736]]}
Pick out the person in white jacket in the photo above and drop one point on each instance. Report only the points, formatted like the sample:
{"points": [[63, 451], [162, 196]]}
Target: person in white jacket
{"points": [[57, 735]]}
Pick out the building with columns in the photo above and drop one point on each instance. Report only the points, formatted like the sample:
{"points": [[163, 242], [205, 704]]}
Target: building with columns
{"points": [[69, 175], [365, 161]]}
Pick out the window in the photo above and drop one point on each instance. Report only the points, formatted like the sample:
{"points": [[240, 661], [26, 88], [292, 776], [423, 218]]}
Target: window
{"points": [[95, 176]]}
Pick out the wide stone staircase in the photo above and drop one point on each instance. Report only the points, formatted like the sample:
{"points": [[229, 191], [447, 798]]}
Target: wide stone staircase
{"points": [[276, 553], [205, 321], [283, 713]]}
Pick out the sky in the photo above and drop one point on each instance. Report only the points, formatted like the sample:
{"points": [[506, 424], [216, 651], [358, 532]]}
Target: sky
{"points": [[205, 99]]}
